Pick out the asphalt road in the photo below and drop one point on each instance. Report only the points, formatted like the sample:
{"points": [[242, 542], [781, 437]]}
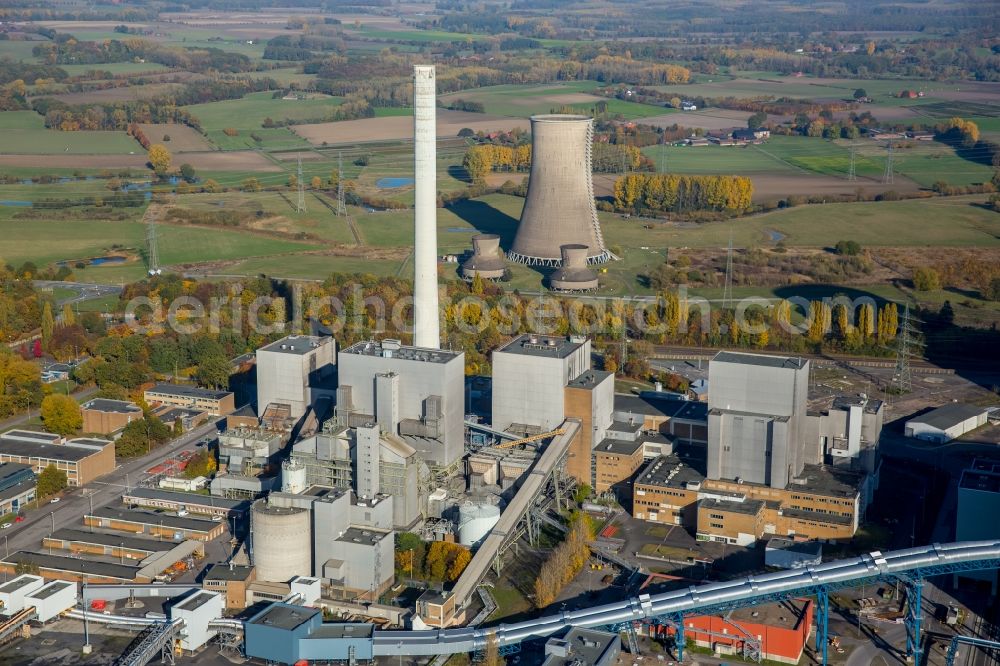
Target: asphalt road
{"points": [[84, 291], [76, 502]]}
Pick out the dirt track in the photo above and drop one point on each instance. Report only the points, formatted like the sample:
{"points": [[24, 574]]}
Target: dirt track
{"points": [[401, 127]]}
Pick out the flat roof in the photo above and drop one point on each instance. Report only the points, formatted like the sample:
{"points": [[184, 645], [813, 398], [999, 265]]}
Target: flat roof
{"points": [[747, 507], [299, 345], [196, 601], [31, 435], [784, 614], [363, 536], [623, 447], [589, 379], [814, 548], [106, 539], [74, 565], [870, 405], [188, 391], [284, 616], [827, 480], [151, 518], [544, 346], [949, 415], [188, 499], [105, 405], [586, 646], [11, 469], [49, 451], [986, 482], [394, 349], [674, 408], [224, 571], [344, 630], [54, 587], [17, 583], [763, 360], [669, 472]]}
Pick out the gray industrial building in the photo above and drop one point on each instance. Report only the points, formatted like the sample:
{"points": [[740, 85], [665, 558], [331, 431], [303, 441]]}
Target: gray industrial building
{"points": [[530, 374], [414, 393], [295, 371], [977, 511], [583, 647], [347, 538], [947, 423], [756, 418], [847, 435], [248, 451]]}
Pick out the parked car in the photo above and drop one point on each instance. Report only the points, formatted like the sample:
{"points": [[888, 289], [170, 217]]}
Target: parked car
{"points": [[54, 500]]}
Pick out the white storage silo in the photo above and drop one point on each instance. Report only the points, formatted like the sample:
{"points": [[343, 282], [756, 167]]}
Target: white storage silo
{"points": [[475, 521], [293, 477], [282, 542]]}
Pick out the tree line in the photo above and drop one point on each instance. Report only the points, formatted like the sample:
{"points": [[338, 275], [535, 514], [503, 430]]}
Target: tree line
{"points": [[484, 158], [564, 562], [676, 193]]}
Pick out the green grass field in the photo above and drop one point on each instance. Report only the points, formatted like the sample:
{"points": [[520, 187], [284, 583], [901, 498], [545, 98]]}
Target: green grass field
{"points": [[273, 138], [24, 133], [249, 113], [525, 100], [18, 51]]}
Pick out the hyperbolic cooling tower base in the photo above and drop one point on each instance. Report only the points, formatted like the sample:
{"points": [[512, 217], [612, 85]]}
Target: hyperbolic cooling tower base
{"points": [[554, 262]]}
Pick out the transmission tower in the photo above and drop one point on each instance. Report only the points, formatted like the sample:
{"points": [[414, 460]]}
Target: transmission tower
{"points": [[904, 343], [341, 204], [152, 252], [301, 205], [887, 177], [727, 291], [851, 172]]}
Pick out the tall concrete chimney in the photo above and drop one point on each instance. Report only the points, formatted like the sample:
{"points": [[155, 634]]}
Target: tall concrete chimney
{"points": [[425, 283], [559, 208]]}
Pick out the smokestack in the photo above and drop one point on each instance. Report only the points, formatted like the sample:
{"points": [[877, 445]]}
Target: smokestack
{"points": [[425, 285], [559, 208]]}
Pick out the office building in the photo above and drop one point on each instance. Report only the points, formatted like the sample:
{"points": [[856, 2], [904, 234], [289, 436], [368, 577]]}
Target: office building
{"points": [[296, 371], [231, 581], [757, 408], [17, 487], [104, 416], [82, 459], [216, 403], [415, 393]]}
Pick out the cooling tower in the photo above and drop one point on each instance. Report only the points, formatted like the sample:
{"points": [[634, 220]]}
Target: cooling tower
{"points": [[486, 261], [559, 208], [425, 284], [574, 274]]}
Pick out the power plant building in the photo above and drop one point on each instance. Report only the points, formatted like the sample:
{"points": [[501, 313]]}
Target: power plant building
{"points": [[559, 208], [757, 408], [295, 371], [486, 260], [414, 393]]}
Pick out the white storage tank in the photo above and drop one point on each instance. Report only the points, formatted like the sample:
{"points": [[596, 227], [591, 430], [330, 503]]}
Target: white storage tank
{"points": [[282, 542], [293, 477], [53, 599], [475, 521]]}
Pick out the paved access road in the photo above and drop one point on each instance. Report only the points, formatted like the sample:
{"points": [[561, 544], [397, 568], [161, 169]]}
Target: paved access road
{"points": [[84, 291], [69, 511]]}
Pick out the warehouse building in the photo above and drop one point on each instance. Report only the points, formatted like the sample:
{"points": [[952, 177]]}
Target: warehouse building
{"points": [[71, 568], [947, 423], [414, 393], [13, 592], [104, 416], [158, 525], [295, 371], [194, 503], [216, 403], [121, 546], [17, 487], [82, 459], [52, 600]]}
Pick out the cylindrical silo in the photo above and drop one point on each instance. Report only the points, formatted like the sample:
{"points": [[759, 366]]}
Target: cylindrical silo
{"points": [[282, 541], [574, 275], [559, 208], [475, 521], [293, 477], [486, 261]]}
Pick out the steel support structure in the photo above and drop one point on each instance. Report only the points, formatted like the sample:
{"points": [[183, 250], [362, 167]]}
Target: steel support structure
{"points": [[823, 623], [914, 595], [971, 641]]}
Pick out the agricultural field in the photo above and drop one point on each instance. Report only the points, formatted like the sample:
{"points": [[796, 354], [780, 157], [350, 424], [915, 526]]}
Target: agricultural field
{"points": [[120, 94], [400, 127], [116, 68], [182, 139], [24, 133], [522, 101], [248, 114]]}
